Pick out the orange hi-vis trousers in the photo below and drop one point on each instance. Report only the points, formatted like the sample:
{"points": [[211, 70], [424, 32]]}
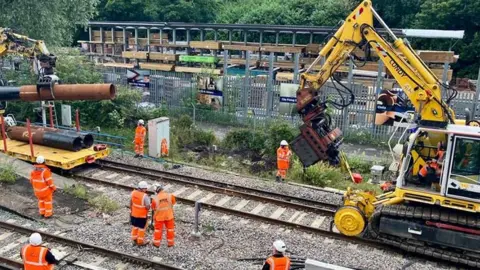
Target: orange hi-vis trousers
{"points": [[282, 173], [45, 205], [157, 235], [139, 148], [138, 234]]}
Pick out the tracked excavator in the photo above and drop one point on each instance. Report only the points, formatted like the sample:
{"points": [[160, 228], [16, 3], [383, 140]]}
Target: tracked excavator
{"points": [[436, 215]]}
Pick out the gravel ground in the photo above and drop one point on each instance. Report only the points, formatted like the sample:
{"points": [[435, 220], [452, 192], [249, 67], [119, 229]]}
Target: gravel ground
{"points": [[225, 240], [284, 188]]}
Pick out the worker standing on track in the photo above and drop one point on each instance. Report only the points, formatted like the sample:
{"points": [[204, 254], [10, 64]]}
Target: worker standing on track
{"points": [[43, 187], [283, 160], [139, 140], [139, 205], [162, 205], [278, 261], [36, 257]]}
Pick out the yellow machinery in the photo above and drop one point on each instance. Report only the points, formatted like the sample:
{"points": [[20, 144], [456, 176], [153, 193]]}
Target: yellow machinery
{"points": [[436, 215], [47, 88]]}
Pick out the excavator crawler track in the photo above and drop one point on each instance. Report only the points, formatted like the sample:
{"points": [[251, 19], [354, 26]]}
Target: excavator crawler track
{"points": [[420, 215]]}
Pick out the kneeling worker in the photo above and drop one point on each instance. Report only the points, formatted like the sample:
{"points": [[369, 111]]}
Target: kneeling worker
{"points": [[43, 187], [278, 261], [162, 206], [139, 205], [35, 256]]}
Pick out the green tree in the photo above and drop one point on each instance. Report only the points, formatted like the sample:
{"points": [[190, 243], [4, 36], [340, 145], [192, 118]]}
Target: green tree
{"points": [[455, 15], [54, 21], [158, 10]]}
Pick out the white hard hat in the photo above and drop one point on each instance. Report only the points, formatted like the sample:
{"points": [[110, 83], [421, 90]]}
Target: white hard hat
{"points": [[40, 159], [141, 122], [279, 246], [158, 187], [283, 143], [142, 185], [35, 239]]}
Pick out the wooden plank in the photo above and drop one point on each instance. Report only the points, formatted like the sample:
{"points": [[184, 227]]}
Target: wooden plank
{"points": [[436, 56], [209, 45], [157, 35], [313, 48], [282, 49], [241, 48], [284, 76], [439, 74], [239, 61], [163, 56], [151, 66], [196, 70], [135, 55]]}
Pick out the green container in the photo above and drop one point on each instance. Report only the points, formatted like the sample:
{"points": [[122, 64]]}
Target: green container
{"points": [[199, 59]]}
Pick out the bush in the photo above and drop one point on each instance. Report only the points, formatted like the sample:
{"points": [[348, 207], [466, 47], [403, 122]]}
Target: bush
{"points": [[7, 173], [360, 165], [245, 139], [276, 133], [205, 138], [320, 174]]}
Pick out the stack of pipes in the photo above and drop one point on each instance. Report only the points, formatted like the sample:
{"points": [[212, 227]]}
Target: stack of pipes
{"points": [[52, 137]]}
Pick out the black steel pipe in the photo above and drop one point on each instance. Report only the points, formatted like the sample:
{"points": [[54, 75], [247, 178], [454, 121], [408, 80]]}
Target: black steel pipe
{"points": [[87, 139], [62, 141], [46, 138]]}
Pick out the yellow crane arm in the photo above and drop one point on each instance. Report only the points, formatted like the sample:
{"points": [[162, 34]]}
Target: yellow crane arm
{"points": [[417, 81]]}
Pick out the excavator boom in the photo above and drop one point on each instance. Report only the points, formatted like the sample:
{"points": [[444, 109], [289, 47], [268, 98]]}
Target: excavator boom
{"points": [[318, 140]]}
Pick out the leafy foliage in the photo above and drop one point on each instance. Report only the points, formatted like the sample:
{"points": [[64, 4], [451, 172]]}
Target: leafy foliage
{"points": [[8, 173], [245, 139], [53, 21]]}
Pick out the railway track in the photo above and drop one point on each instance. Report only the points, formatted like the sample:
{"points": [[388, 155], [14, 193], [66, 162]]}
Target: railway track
{"points": [[266, 206], [78, 255], [221, 201]]}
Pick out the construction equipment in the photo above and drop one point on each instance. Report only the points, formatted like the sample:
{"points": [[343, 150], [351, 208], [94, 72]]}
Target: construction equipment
{"points": [[61, 149], [435, 215]]}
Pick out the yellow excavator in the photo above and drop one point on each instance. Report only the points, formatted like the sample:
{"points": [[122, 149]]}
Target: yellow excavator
{"points": [[43, 61], [434, 208]]}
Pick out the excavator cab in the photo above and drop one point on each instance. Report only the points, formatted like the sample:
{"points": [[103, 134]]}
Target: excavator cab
{"points": [[443, 161]]}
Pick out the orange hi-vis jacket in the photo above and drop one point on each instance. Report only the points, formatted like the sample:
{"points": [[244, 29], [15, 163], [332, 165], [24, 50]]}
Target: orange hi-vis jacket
{"points": [[34, 258], [163, 206], [140, 132], [164, 147], [138, 207], [41, 180], [279, 263], [283, 158]]}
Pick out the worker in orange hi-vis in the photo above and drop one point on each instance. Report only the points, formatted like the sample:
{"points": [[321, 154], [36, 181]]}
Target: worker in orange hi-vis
{"points": [[283, 160], [162, 205], [139, 206], [37, 257], [164, 147], [43, 187], [139, 140]]}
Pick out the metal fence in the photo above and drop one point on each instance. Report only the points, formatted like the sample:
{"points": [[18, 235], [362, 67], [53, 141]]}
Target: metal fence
{"points": [[255, 100]]}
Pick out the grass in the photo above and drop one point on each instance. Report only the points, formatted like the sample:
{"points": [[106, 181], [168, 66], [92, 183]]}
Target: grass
{"points": [[79, 191], [100, 202], [104, 204], [8, 173]]}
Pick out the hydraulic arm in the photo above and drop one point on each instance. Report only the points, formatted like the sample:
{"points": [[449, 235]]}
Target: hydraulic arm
{"points": [[318, 140]]}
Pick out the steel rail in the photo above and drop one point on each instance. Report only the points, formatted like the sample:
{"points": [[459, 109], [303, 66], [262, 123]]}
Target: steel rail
{"points": [[318, 231], [215, 185], [108, 252], [7, 263]]}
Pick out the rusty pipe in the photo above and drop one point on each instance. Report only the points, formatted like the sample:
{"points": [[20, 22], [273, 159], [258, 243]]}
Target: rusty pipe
{"points": [[87, 138], [60, 92], [46, 138]]}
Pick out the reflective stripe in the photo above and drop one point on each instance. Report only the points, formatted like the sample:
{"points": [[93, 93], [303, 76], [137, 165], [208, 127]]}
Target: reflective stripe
{"points": [[43, 189], [170, 230]]}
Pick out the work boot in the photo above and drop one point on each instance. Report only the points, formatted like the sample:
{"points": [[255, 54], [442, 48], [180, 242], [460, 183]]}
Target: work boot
{"points": [[277, 179], [134, 242], [140, 156], [144, 243], [136, 155]]}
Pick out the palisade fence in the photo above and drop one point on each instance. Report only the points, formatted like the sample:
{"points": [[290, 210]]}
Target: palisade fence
{"points": [[251, 101]]}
